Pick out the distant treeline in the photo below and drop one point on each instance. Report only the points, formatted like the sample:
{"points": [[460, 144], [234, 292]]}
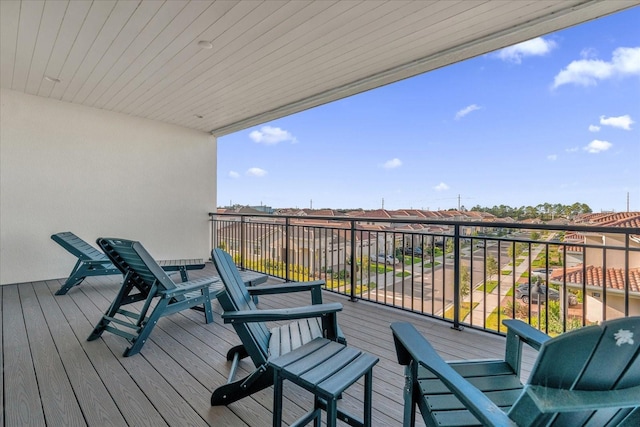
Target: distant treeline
{"points": [[544, 211]]}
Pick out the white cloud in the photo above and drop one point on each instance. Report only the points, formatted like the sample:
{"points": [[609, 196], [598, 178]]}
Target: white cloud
{"points": [[622, 122], [588, 52], [256, 172], [572, 149], [552, 157], [466, 110], [234, 174], [596, 146], [625, 61], [271, 135], [392, 164], [441, 187], [533, 47], [594, 128]]}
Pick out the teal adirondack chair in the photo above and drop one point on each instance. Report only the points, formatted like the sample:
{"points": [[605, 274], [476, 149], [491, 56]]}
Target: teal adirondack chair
{"points": [[91, 262], [144, 280], [258, 342], [586, 377]]}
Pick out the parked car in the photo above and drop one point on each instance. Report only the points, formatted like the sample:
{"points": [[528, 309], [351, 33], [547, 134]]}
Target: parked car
{"points": [[417, 251], [541, 272], [382, 259], [522, 292]]}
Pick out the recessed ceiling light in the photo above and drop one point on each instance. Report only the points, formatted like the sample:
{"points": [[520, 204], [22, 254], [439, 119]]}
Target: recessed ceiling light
{"points": [[205, 44], [51, 79]]}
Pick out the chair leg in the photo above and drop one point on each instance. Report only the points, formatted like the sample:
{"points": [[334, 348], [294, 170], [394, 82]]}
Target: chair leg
{"points": [[277, 401], [145, 330], [126, 287], [229, 393], [75, 278], [409, 417], [368, 398]]}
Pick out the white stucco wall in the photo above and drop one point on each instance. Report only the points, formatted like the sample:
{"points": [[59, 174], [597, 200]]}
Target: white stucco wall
{"points": [[65, 167]]}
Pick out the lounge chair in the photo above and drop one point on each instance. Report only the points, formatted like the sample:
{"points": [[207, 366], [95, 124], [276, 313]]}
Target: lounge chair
{"points": [[92, 262], [589, 376], [258, 342], [144, 280]]}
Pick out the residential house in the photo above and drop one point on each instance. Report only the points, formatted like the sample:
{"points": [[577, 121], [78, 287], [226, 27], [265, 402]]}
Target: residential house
{"points": [[607, 266]]}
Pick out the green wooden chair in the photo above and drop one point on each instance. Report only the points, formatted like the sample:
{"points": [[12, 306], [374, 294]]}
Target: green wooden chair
{"points": [[586, 377], [144, 280], [92, 262], [258, 342]]}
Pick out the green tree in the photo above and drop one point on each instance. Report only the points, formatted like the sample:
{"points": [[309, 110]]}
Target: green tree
{"points": [[492, 266], [465, 281], [449, 246]]}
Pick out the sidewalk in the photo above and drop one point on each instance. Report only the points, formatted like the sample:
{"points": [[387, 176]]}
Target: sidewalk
{"points": [[493, 299]]}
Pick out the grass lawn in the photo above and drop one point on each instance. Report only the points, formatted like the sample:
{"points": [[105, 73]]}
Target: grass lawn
{"points": [[379, 268], [465, 309], [429, 265], [488, 287]]}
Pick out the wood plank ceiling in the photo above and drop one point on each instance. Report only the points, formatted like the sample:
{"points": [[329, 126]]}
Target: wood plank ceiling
{"points": [[266, 59]]}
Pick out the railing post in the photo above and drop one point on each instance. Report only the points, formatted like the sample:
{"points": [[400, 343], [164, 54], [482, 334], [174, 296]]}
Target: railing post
{"points": [[287, 224], [353, 261], [456, 277], [242, 241]]}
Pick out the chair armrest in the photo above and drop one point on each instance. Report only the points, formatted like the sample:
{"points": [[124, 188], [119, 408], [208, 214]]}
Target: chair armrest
{"points": [[526, 333], [314, 286], [519, 332], [248, 316], [549, 400], [412, 347], [190, 286]]}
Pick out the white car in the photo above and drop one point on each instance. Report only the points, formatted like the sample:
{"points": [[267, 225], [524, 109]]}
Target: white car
{"points": [[382, 259], [541, 272]]}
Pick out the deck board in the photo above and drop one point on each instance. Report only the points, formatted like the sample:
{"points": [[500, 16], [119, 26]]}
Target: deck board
{"points": [[54, 376], [53, 381], [21, 393]]}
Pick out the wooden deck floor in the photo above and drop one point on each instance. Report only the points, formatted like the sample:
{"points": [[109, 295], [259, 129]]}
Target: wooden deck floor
{"points": [[52, 376]]}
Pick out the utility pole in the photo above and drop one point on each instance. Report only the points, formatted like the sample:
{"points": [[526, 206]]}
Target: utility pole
{"points": [[383, 203], [627, 201], [311, 204]]}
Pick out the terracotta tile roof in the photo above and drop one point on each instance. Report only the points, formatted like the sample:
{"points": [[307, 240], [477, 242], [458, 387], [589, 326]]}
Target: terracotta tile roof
{"points": [[573, 237], [612, 219], [595, 277], [531, 221], [319, 212], [378, 213]]}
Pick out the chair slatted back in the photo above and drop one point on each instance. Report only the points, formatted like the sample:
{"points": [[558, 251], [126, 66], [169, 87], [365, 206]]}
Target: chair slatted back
{"points": [[78, 247], [255, 335], [130, 257], [593, 358]]}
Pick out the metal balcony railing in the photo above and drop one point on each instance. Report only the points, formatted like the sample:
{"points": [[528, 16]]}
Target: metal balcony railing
{"points": [[469, 273]]}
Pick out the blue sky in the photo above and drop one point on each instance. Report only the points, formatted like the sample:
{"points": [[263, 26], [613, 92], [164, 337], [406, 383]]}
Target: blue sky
{"points": [[555, 119]]}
